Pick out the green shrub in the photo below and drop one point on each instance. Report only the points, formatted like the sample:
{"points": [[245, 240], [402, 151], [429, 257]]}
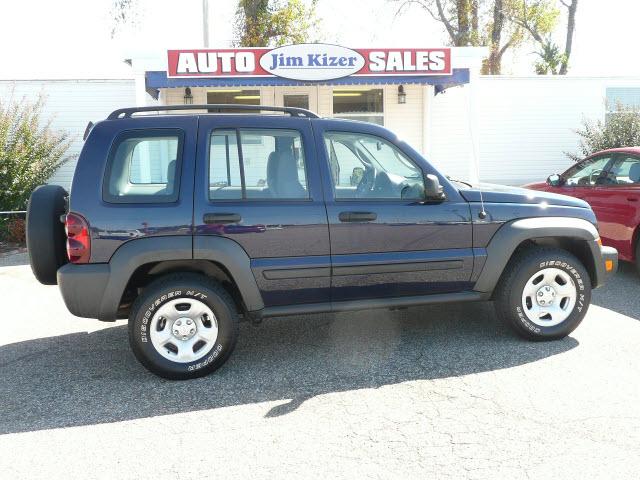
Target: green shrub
{"points": [[30, 151], [621, 129]]}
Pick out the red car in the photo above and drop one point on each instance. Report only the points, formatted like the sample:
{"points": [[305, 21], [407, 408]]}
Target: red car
{"points": [[609, 181]]}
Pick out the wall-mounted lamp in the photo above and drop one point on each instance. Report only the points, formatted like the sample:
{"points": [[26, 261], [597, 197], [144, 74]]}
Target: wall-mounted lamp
{"points": [[188, 98], [402, 96]]}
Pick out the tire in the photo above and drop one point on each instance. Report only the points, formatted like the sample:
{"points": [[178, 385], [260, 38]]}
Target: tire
{"points": [[637, 258], [172, 315], [46, 239], [523, 286]]}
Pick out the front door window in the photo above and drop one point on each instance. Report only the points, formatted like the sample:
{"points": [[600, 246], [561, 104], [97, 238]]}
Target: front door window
{"points": [[366, 166], [588, 173]]}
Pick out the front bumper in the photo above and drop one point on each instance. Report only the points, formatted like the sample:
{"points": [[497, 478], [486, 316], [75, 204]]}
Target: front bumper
{"points": [[610, 260], [605, 261]]}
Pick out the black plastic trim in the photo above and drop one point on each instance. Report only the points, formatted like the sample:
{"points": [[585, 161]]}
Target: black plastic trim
{"points": [[235, 260], [351, 305], [513, 233], [398, 267]]}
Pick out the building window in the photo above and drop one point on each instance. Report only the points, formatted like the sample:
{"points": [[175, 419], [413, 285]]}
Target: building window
{"points": [[233, 97], [622, 99], [363, 105], [296, 100]]}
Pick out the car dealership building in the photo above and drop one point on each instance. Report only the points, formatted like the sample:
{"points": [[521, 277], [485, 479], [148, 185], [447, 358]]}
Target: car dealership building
{"points": [[496, 128]]}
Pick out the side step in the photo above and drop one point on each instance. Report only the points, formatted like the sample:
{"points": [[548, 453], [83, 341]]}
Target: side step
{"points": [[370, 303]]}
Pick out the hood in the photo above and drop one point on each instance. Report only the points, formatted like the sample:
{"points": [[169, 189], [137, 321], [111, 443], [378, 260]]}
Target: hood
{"points": [[536, 185], [503, 194]]}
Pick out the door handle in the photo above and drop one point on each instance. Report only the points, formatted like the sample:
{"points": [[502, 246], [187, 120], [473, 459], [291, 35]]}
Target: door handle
{"points": [[632, 199], [221, 218], [357, 216]]}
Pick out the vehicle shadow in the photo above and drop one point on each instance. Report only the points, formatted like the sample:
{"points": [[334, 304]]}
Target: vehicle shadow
{"points": [[91, 378], [620, 292]]}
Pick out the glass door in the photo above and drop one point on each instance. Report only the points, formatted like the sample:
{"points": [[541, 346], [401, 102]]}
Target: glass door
{"points": [[298, 97]]}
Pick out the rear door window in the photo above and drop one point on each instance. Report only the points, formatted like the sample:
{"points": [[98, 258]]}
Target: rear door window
{"points": [[625, 171], [257, 164], [143, 167]]}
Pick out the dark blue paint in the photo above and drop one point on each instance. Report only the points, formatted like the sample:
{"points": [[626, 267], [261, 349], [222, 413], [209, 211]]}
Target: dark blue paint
{"points": [[300, 251]]}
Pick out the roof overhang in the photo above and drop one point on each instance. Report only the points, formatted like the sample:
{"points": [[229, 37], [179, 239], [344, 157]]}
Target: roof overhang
{"points": [[155, 80]]}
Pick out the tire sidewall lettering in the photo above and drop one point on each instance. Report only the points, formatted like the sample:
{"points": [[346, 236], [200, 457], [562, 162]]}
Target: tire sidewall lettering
{"points": [[580, 306], [145, 323]]}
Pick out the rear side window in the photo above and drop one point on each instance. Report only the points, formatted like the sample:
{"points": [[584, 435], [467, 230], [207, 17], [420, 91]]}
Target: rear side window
{"points": [[258, 164], [143, 167]]}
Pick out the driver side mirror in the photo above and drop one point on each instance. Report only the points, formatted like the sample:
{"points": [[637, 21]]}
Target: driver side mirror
{"points": [[554, 180], [433, 189]]}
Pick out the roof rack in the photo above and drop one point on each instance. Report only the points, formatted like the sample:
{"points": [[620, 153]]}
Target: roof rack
{"points": [[293, 111]]}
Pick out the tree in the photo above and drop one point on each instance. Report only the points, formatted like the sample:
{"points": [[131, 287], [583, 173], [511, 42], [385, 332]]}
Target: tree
{"points": [[263, 23], [547, 16], [498, 24], [571, 25], [620, 129], [551, 60], [30, 151], [123, 12]]}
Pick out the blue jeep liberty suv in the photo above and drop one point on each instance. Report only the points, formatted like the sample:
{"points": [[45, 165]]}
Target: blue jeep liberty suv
{"points": [[185, 222]]}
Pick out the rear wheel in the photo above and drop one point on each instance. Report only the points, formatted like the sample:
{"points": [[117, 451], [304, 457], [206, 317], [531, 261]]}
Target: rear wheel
{"points": [[183, 326], [543, 294], [45, 232]]}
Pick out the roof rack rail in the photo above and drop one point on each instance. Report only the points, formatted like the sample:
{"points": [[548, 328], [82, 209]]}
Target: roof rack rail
{"points": [[293, 111]]}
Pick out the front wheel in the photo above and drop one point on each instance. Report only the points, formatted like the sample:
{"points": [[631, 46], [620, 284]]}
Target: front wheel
{"points": [[544, 293], [183, 326]]}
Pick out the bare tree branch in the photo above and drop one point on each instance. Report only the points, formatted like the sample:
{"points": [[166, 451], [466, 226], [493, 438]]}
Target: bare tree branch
{"points": [[447, 24]]}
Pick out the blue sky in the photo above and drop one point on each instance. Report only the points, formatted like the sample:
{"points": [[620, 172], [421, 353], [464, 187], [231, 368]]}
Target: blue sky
{"points": [[71, 38]]}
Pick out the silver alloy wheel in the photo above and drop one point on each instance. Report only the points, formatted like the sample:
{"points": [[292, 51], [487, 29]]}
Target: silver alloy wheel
{"points": [[549, 296], [183, 330]]}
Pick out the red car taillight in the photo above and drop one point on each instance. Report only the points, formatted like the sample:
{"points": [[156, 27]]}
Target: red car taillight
{"points": [[78, 239]]}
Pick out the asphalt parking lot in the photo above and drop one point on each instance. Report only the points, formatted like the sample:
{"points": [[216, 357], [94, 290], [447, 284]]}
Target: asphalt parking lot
{"points": [[437, 392]]}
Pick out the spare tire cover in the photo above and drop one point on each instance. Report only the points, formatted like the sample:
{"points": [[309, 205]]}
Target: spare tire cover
{"points": [[46, 239]]}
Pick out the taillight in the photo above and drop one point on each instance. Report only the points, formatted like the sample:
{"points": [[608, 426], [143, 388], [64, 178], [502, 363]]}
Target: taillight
{"points": [[78, 239]]}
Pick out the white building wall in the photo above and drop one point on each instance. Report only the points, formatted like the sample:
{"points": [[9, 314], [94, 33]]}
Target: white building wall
{"points": [[71, 104], [406, 119], [526, 124]]}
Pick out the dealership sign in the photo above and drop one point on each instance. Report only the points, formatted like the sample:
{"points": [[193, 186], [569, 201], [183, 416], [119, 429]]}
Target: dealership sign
{"points": [[308, 62]]}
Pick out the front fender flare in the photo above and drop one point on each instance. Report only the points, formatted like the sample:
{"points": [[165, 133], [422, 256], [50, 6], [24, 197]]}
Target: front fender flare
{"points": [[513, 233]]}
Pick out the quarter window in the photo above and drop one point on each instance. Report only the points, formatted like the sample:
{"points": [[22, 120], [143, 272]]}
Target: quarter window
{"points": [[257, 164], [366, 166], [143, 167]]}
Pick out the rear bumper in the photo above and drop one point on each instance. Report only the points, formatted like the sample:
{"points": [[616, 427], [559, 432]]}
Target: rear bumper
{"points": [[83, 289]]}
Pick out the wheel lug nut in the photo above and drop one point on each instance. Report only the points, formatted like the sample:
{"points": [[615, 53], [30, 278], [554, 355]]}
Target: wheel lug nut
{"points": [[178, 322], [191, 331], [188, 322]]}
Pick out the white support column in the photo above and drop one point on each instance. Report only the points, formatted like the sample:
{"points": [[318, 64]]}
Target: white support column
{"points": [[471, 58], [427, 96], [474, 134]]}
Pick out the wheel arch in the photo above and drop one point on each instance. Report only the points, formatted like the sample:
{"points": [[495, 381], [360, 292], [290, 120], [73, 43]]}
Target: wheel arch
{"points": [[577, 236], [221, 257]]}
